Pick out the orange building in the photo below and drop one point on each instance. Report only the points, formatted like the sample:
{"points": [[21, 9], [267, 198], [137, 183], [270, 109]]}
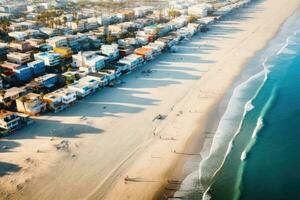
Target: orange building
{"points": [[147, 53]]}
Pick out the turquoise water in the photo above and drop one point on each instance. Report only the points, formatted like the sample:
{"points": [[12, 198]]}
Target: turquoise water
{"points": [[256, 154]]}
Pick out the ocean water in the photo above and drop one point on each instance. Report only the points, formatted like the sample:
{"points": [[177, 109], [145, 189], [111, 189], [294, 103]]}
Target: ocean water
{"points": [[255, 154]]}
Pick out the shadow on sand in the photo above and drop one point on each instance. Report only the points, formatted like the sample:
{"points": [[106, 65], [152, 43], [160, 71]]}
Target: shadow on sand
{"points": [[128, 98]]}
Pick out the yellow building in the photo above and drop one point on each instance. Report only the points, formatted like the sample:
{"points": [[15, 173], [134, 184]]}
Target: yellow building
{"points": [[65, 52]]}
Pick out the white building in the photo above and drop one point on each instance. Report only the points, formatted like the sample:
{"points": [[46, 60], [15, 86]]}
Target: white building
{"points": [[81, 89], [58, 41], [132, 61], [60, 99], [18, 35], [31, 104], [9, 120], [50, 59], [89, 60], [200, 10], [111, 51], [19, 58]]}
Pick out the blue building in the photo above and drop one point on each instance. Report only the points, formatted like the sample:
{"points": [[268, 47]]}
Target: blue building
{"points": [[23, 73], [47, 80], [46, 47], [38, 67]]}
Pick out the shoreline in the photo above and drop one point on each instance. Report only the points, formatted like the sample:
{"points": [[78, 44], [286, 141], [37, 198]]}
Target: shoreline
{"points": [[269, 52], [212, 123], [141, 155], [214, 114]]}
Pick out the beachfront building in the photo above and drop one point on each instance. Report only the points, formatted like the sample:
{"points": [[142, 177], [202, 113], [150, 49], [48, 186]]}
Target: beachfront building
{"points": [[110, 74], [9, 120], [121, 66], [19, 58], [132, 60], [114, 70], [60, 99], [11, 95], [111, 51], [80, 88], [147, 53], [91, 82], [54, 102], [38, 67], [50, 59], [100, 77], [89, 61], [167, 41], [31, 104], [58, 41], [155, 47], [68, 96]]}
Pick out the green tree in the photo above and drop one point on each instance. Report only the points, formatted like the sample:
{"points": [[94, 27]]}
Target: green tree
{"points": [[173, 13], [192, 18], [110, 38], [4, 24], [65, 20]]}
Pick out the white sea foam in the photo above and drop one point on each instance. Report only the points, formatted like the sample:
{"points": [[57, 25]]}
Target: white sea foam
{"points": [[243, 155], [296, 32], [206, 196], [258, 127], [251, 143], [284, 49], [288, 52], [218, 139], [284, 46], [249, 106], [220, 136]]}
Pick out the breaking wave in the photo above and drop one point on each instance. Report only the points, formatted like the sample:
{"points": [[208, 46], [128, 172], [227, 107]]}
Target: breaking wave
{"points": [[220, 135]]}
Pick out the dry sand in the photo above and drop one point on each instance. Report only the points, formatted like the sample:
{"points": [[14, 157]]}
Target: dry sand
{"points": [[112, 134]]}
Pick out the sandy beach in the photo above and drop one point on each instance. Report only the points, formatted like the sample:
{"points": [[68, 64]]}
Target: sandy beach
{"points": [[86, 151]]}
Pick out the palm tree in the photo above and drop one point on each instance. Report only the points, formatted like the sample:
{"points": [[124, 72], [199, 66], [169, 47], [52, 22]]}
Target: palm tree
{"points": [[23, 99], [2, 94], [65, 20], [4, 24]]}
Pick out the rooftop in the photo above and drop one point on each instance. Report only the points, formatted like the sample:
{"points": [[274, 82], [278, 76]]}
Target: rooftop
{"points": [[5, 113], [47, 54]]}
